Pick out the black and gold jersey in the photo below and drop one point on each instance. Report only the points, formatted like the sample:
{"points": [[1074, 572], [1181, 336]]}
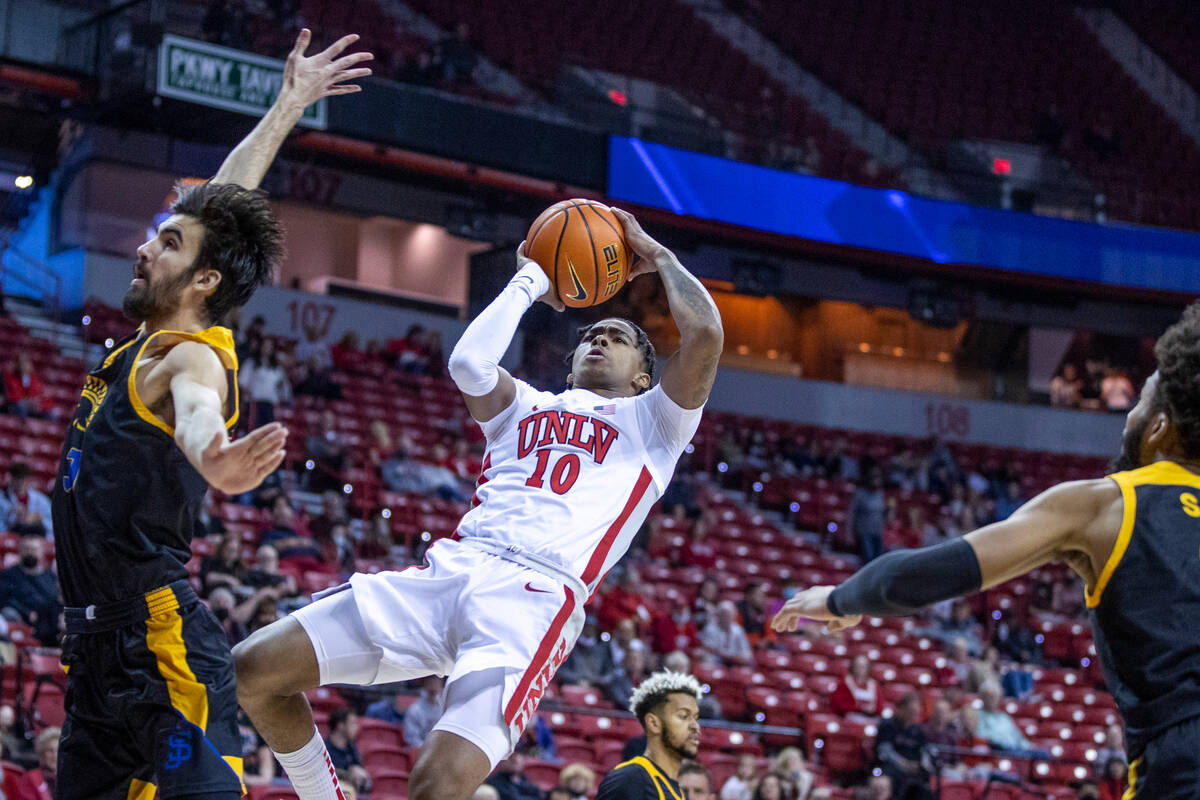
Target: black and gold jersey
{"points": [[1146, 601], [126, 499], [638, 779]]}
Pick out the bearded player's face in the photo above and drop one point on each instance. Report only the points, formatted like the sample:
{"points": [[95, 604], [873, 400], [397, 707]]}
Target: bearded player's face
{"points": [[163, 269], [1136, 422], [680, 717], [608, 357]]}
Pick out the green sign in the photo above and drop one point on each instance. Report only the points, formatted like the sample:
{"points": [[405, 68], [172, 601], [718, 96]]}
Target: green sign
{"points": [[222, 77]]}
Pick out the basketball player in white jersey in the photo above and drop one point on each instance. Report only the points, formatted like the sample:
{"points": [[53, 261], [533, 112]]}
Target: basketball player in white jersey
{"points": [[566, 482]]}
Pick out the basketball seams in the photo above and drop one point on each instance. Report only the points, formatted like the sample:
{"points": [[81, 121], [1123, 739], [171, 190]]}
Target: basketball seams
{"points": [[566, 215], [595, 257], [537, 226]]}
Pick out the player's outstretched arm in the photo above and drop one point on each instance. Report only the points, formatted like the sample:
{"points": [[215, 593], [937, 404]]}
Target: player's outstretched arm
{"points": [[1061, 523], [197, 381], [475, 367], [689, 374], [306, 79]]}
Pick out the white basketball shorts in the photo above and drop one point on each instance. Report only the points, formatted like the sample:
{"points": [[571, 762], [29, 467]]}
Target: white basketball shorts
{"points": [[465, 612]]}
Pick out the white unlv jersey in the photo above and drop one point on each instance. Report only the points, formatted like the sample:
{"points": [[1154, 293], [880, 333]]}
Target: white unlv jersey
{"points": [[569, 478]]}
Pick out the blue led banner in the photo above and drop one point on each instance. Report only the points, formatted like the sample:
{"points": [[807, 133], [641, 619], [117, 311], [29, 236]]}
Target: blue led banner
{"points": [[839, 213]]}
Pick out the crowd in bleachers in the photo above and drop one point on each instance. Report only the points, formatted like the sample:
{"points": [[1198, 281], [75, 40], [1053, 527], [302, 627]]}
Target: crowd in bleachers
{"points": [[1001, 683]]}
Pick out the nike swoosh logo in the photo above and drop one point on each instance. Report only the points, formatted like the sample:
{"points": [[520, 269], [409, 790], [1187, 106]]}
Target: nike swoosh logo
{"points": [[529, 588], [580, 293]]}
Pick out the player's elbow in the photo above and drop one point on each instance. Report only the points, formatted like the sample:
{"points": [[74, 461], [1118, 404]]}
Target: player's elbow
{"points": [[472, 376], [709, 335]]}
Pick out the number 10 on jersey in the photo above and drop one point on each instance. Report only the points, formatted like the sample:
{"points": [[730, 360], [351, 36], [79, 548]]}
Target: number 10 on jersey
{"points": [[562, 476]]}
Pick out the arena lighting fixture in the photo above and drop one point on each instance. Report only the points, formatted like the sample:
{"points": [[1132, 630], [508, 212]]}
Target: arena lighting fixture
{"points": [[23, 181]]}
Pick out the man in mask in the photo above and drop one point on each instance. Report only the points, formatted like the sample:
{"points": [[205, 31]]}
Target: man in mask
{"points": [[29, 591]]}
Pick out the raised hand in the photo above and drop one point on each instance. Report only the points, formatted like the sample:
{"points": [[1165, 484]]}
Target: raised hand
{"points": [[306, 79], [645, 247], [550, 298], [811, 604], [238, 466]]}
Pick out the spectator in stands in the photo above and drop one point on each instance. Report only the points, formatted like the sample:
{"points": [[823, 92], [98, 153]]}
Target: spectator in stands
{"points": [[624, 638], [408, 352], [1115, 779], [333, 512], [857, 692], [389, 709], [771, 787], [223, 604], [558, 793], [314, 346], [295, 547], [920, 532], [225, 567], [29, 591], [377, 542], [625, 678], [343, 751], [753, 610], [1065, 387], [704, 607], [942, 730], [899, 748], [258, 762], [790, 764], [14, 746], [879, 787], [423, 714], [38, 784], [458, 57], [1093, 379], [591, 661], [1017, 682], [264, 381], [346, 354], [958, 663], [939, 455], [265, 574], [961, 625], [328, 450], [404, 475], [1010, 502], [985, 669], [698, 551], [865, 518], [742, 783], [23, 509], [1114, 744], [537, 740], [1116, 390], [208, 521], [674, 631], [695, 782], [249, 340], [678, 661], [996, 727], [510, 781], [579, 780], [309, 379], [724, 638], [266, 611], [25, 391], [625, 600]]}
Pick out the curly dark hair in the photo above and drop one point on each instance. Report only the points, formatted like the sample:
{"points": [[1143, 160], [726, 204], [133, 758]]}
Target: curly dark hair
{"points": [[1178, 354], [643, 344], [242, 240]]}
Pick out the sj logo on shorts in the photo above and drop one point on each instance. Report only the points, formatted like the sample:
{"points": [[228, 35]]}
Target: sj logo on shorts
{"points": [[179, 750]]}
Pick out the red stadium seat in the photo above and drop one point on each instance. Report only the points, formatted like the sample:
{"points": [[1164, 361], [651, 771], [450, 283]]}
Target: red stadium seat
{"points": [[272, 793]]}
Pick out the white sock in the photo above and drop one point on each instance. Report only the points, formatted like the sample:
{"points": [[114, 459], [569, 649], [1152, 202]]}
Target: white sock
{"points": [[311, 772]]}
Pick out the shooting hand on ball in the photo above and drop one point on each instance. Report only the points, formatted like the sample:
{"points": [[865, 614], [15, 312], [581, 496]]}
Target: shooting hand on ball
{"points": [[550, 298]]}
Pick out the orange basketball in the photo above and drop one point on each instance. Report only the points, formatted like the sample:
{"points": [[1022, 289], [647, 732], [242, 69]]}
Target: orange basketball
{"points": [[581, 246]]}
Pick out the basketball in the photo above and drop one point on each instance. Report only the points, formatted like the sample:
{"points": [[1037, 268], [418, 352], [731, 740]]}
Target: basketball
{"points": [[581, 246]]}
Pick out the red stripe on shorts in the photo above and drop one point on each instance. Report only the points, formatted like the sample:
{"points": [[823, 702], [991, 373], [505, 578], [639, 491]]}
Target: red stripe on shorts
{"points": [[541, 658], [601, 552]]}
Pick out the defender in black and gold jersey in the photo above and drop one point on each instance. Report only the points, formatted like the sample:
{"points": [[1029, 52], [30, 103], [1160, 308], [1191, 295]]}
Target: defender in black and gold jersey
{"points": [[151, 703], [1133, 536], [668, 706]]}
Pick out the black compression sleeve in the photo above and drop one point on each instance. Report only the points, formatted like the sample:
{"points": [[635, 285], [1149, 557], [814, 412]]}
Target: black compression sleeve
{"points": [[903, 581]]}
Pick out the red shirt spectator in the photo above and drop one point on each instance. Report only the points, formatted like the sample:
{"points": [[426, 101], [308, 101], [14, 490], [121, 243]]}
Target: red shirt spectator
{"points": [[697, 551], [857, 692], [345, 354], [675, 631], [25, 391], [38, 784], [625, 601]]}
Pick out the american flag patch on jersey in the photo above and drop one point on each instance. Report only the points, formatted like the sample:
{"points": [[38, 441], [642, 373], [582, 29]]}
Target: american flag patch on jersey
{"points": [[611, 408]]}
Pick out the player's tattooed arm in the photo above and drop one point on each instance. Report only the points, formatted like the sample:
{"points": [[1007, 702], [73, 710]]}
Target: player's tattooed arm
{"points": [[306, 79], [196, 380], [689, 373]]}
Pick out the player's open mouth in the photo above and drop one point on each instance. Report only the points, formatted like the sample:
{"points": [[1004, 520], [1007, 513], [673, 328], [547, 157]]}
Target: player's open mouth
{"points": [[139, 277], [596, 352]]}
